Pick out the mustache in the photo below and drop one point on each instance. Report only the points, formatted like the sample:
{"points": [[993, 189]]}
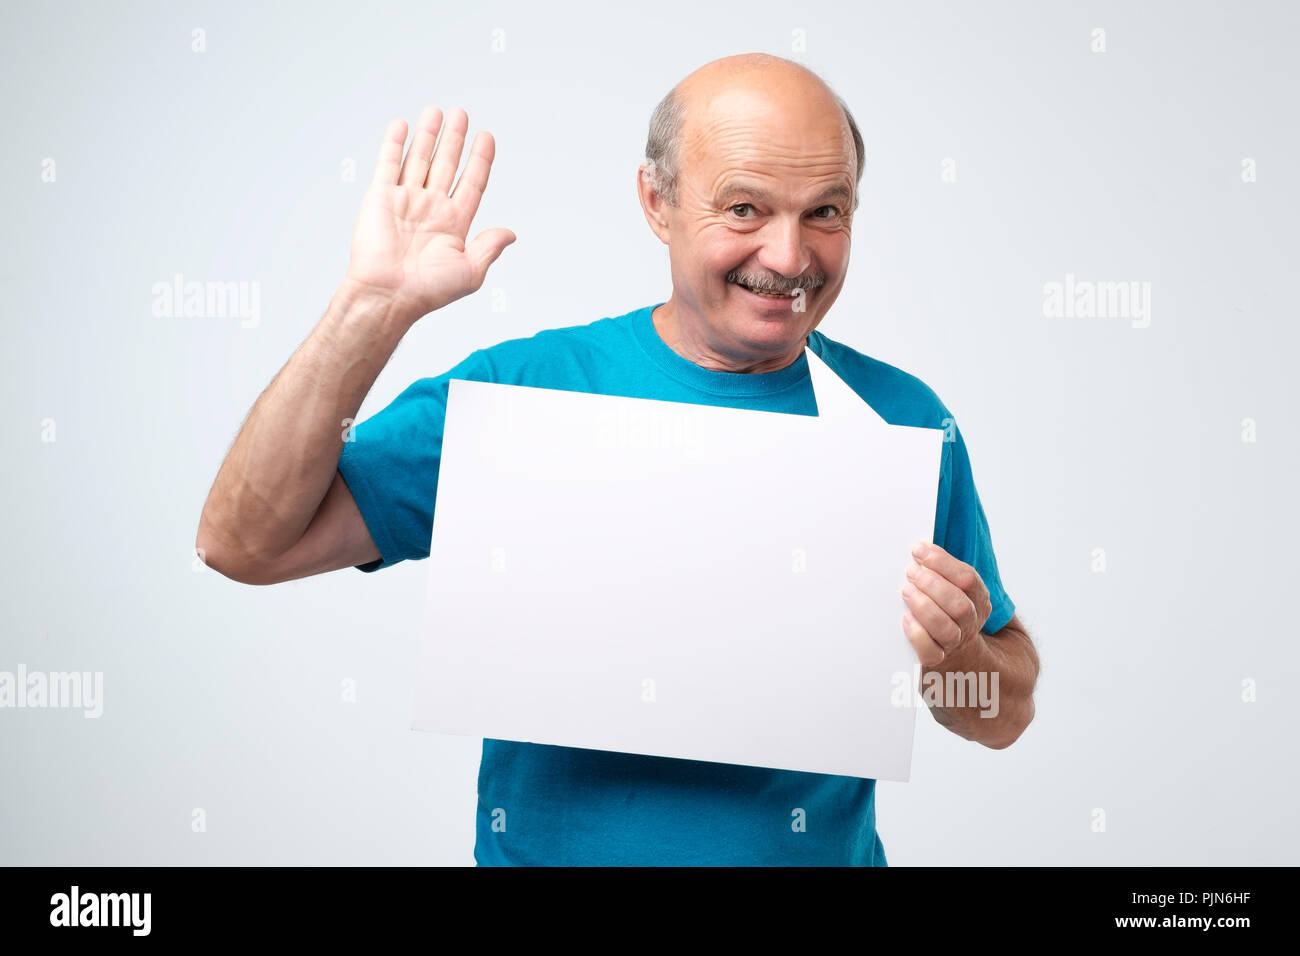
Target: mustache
{"points": [[768, 283]]}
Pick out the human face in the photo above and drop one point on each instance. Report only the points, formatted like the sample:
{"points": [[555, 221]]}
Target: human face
{"points": [[765, 204]]}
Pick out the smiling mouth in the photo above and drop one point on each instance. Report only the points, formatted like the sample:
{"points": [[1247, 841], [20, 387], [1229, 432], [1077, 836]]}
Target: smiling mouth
{"points": [[771, 295]]}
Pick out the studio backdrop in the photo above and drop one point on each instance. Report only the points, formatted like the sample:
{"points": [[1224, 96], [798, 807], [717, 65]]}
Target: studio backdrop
{"points": [[1077, 225]]}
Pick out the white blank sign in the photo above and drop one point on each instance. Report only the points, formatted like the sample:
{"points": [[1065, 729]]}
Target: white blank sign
{"points": [[674, 579]]}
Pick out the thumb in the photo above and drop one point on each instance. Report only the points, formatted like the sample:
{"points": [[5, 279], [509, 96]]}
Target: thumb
{"points": [[485, 248]]}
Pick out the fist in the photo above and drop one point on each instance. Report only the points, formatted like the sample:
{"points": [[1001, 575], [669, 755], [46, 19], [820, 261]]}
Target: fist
{"points": [[947, 603]]}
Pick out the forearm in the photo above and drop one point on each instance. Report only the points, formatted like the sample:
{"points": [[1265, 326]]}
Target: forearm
{"points": [[284, 458], [984, 691]]}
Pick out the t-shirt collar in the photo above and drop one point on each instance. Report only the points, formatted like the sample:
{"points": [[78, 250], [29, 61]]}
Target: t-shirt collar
{"points": [[707, 380]]}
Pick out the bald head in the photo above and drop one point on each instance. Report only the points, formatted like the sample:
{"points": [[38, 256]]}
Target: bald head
{"points": [[765, 85]]}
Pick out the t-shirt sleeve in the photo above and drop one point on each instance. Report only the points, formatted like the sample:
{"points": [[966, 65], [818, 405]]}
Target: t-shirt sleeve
{"points": [[962, 529], [390, 464]]}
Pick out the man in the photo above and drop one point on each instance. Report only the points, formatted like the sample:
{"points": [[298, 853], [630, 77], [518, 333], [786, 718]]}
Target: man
{"points": [[751, 180]]}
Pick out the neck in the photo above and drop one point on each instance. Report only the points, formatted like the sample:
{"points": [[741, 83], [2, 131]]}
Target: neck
{"points": [[697, 342]]}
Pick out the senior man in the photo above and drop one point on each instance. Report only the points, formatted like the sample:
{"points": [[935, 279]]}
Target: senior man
{"points": [[751, 179]]}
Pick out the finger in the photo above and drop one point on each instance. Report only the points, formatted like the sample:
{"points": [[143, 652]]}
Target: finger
{"points": [[473, 179], [953, 601], [389, 164], [484, 250], [942, 629], [958, 572], [416, 167], [928, 652], [446, 158]]}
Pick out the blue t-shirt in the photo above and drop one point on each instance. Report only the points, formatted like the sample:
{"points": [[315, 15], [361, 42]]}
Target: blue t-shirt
{"points": [[572, 806]]}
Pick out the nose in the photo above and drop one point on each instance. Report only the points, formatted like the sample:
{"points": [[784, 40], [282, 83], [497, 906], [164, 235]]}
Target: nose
{"points": [[784, 250]]}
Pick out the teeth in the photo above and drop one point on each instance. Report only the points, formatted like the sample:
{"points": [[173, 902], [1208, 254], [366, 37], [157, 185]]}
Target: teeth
{"points": [[774, 295]]}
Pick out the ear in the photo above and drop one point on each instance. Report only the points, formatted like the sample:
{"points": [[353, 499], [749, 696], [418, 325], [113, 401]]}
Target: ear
{"points": [[651, 204]]}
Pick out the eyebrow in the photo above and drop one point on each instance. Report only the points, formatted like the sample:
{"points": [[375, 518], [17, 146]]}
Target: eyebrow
{"points": [[731, 191]]}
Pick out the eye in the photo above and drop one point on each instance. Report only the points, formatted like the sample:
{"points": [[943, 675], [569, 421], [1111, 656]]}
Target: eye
{"points": [[738, 206], [834, 211]]}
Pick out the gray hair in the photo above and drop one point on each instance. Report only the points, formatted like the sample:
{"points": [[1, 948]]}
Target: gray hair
{"points": [[663, 145]]}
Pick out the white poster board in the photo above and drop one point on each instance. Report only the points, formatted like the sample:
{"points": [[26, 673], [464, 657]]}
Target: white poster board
{"points": [[673, 579]]}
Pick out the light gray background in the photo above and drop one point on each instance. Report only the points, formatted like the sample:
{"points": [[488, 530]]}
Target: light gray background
{"points": [[226, 166]]}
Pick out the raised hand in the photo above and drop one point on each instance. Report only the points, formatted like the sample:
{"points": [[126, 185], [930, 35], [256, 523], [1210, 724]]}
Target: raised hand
{"points": [[409, 242]]}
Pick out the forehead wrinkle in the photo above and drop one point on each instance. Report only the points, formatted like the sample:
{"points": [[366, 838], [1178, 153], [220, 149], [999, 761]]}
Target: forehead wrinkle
{"points": [[729, 188], [776, 170], [741, 152], [722, 137], [809, 169]]}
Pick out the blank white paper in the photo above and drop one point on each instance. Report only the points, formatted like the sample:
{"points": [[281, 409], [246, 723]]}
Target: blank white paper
{"points": [[679, 580]]}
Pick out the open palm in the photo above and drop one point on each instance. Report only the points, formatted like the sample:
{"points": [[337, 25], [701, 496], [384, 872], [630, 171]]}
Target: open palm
{"points": [[409, 241]]}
